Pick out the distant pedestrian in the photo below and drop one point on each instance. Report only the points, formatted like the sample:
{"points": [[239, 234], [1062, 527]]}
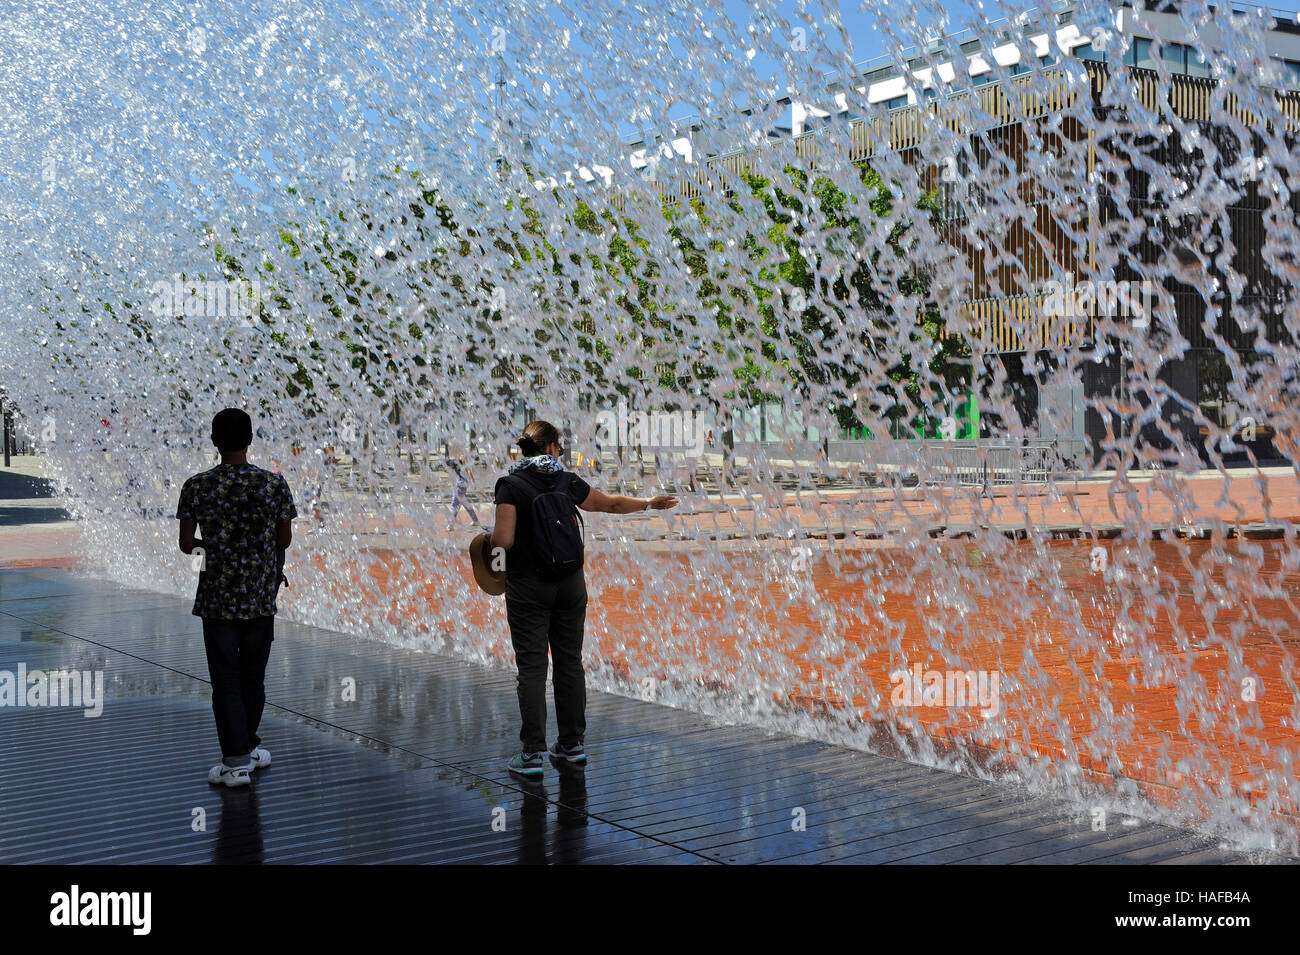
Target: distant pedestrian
{"points": [[244, 515], [540, 532], [313, 492], [458, 468]]}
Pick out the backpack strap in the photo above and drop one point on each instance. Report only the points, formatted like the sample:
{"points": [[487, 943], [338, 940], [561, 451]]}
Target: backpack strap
{"points": [[534, 492], [529, 487], [535, 487]]}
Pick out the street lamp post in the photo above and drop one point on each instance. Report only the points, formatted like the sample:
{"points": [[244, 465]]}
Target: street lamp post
{"points": [[7, 417]]}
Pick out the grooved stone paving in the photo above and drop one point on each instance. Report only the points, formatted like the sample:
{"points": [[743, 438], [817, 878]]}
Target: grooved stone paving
{"points": [[413, 771]]}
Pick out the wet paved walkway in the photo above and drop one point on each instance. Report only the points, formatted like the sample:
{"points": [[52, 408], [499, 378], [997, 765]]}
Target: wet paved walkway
{"points": [[34, 526], [412, 770]]}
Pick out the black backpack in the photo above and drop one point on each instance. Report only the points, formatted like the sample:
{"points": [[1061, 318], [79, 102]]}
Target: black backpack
{"points": [[557, 528]]}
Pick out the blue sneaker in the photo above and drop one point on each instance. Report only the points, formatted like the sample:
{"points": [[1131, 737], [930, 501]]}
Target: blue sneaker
{"points": [[528, 765], [574, 754]]}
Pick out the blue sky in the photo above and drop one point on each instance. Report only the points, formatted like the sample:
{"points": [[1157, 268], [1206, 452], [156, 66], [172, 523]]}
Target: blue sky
{"points": [[860, 26], [867, 26]]}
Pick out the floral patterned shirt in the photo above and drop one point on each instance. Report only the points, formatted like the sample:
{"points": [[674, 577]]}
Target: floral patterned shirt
{"points": [[238, 508]]}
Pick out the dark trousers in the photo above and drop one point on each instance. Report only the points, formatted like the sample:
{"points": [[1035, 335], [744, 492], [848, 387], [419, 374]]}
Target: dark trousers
{"points": [[549, 614], [237, 655]]}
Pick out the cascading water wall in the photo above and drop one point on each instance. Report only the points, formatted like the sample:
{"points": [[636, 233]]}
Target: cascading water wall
{"points": [[395, 233]]}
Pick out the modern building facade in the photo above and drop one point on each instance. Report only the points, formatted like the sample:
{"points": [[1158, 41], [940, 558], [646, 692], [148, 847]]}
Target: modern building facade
{"points": [[1040, 296]]}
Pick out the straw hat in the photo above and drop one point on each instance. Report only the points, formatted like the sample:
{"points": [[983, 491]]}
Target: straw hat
{"points": [[490, 581]]}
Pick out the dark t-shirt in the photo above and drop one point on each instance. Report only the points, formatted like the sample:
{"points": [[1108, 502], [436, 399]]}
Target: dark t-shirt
{"points": [[238, 508], [520, 559]]}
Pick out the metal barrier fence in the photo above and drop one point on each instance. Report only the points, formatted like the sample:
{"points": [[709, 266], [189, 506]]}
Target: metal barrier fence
{"points": [[970, 462], [984, 464]]}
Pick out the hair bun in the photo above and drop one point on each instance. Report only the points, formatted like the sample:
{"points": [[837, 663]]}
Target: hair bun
{"points": [[537, 437]]}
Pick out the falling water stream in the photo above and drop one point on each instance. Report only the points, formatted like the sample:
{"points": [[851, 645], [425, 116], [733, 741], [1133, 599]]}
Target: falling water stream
{"points": [[397, 231]]}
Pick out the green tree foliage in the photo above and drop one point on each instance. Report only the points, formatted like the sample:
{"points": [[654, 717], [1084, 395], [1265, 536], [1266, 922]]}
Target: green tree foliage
{"points": [[779, 314]]}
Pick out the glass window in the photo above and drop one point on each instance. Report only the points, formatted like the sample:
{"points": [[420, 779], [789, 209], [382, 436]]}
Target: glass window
{"points": [[1197, 65], [985, 78], [1175, 57], [1291, 74], [1212, 394], [1139, 54], [1089, 52]]}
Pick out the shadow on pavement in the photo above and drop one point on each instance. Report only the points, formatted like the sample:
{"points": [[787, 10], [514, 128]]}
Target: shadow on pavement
{"points": [[14, 516], [15, 486]]}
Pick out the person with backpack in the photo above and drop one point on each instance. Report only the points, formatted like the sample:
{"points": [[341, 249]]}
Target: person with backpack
{"points": [[539, 529]]}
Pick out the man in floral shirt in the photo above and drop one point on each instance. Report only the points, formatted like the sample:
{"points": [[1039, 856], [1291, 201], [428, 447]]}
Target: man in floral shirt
{"points": [[244, 515]]}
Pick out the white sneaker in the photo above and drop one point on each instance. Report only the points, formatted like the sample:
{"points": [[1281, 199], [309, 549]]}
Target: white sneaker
{"points": [[223, 775], [261, 757]]}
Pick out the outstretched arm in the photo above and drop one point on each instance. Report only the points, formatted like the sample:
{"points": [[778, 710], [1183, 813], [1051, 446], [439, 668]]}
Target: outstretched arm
{"points": [[604, 503]]}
